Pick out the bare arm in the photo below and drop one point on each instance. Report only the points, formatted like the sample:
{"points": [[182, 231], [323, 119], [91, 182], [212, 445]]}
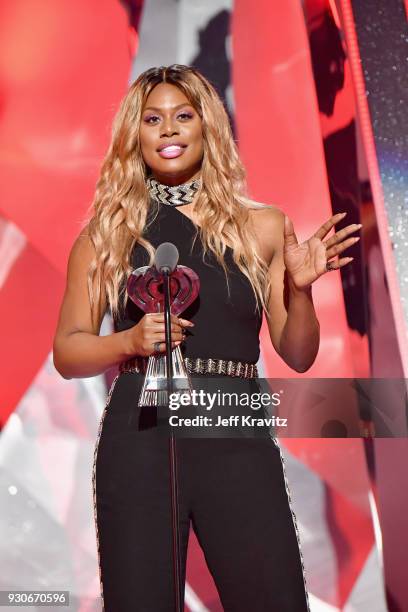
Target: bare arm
{"points": [[295, 331], [78, 349], [292, 322]]}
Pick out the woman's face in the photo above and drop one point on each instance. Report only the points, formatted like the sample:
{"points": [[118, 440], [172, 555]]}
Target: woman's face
{"points": [[171, 135]]}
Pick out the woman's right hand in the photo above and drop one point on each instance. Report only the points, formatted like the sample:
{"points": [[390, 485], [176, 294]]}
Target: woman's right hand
{"points": [[151, 330]]}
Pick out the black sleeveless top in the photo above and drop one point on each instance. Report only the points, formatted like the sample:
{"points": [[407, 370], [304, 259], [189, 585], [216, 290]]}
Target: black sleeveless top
{"points": [[226, 325]]}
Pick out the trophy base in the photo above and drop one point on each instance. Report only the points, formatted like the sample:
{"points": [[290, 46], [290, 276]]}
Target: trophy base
{"points": [[154, 391]]}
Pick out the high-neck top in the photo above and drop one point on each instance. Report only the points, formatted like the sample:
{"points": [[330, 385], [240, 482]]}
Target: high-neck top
{"points": [[226, 324]]}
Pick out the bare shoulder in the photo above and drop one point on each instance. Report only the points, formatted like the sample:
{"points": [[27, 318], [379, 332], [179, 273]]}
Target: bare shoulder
{"points": [[75, 313], [82, 250], [268, 223], [80, 258]]}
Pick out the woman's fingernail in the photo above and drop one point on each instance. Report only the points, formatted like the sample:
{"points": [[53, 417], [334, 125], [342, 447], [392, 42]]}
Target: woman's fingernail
{"points": [[177, 342]]}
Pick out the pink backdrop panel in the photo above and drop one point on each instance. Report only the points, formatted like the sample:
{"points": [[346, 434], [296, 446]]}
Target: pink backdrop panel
{"points": [[64, 66]]}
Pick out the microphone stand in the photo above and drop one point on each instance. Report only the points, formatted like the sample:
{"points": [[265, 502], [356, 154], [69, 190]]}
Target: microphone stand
{"points": [[178, 587]]}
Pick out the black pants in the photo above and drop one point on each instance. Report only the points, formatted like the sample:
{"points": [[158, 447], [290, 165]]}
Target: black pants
{"points": [[233, 491]]}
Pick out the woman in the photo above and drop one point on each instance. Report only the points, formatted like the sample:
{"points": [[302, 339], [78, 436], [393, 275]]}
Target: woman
{"points": [[172, 131]]}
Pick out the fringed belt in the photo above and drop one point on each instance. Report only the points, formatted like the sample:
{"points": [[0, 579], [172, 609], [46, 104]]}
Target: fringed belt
{"points": [[223, 367]]}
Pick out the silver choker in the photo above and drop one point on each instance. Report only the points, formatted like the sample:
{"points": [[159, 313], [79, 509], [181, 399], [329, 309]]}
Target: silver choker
{"points": [[176, 195]]}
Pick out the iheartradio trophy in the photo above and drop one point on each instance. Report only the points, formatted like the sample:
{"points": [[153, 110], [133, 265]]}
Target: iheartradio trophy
{"points": [[148, 287]]}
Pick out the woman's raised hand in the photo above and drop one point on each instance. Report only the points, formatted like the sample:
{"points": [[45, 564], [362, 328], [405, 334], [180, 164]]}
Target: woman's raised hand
{"points": [[148, 336], [307, 261]]}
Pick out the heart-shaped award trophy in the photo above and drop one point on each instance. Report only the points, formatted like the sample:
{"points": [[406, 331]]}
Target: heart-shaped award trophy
{"points": [[145, 288]]}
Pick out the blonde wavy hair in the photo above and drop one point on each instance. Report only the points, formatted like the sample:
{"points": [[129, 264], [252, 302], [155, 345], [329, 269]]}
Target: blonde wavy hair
{"points": [[121, 203]]}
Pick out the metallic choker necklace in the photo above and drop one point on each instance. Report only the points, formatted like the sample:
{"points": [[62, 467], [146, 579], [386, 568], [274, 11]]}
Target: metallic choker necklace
{"points": [[172, 196]]}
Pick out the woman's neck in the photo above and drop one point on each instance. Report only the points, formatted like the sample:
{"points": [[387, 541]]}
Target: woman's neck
{"points": [[179, 179]]}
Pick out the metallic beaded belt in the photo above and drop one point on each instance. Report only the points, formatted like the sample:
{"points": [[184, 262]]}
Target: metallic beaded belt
{"points": [[223, 367]]}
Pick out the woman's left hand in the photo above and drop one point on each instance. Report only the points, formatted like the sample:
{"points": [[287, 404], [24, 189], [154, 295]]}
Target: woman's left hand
{"points": [[307, 261]]}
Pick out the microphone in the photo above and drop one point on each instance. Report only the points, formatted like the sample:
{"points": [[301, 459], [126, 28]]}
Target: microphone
{"points": [[166, 258], [186, 284]]}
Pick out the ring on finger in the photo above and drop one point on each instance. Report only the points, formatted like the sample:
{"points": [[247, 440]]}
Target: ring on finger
{"points": [[156, 347], [329, 266]]}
